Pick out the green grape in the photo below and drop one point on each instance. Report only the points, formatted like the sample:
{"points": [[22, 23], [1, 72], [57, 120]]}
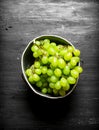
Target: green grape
{"points": [[48, 79], [63, 52], [66, 70], [49, 72], [70, 48], [50, 59], [44, 69], [53, 44], [67, 87], [39, 51], [68, 56], [44, 59], [63, 82], [60, 47], [44, 90], [38, 71], [55, 67], [51, 51], [57, 72], [62, 92], [73, 61], [46, 45], [35, 54], [54, 62], [71, 80], [53, 78], [45, 84], [49, 90], [74, 73], [37, 64], [39, 83], [76, 52], [28, 72], [55, 92], [51, 85], [43, 79], [31, 79], [57, 85], [35, 77], [34, 48], [61, 63], [41, 42], [46, 41], [70, 66], [76, 58], [79, 69], [37, 43]]}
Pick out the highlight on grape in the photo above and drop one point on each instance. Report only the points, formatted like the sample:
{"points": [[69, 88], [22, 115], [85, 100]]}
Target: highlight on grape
{"points": [[55, 68]]}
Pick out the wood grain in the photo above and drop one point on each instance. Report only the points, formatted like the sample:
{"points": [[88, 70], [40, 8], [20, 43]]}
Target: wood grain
{"points": [[20, 22]]}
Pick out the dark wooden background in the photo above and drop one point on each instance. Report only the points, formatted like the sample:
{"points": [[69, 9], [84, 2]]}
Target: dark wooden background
{"points": [[20, 22]]}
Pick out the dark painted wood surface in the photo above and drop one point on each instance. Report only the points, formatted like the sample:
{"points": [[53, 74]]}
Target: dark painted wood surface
{"points": [[20, 22]]}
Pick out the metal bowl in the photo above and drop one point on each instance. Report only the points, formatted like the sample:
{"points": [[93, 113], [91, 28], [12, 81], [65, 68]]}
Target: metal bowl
{"points": [[27, 61]]}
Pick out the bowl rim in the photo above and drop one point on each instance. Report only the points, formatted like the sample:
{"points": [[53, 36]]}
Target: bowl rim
{"points": [[25, 77]]}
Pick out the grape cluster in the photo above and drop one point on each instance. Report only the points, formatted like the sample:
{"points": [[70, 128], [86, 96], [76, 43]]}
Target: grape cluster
{"points": [[55, 68]]}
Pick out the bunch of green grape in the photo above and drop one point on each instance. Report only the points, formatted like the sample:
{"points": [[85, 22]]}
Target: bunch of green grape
{"points": [[55, 68]]}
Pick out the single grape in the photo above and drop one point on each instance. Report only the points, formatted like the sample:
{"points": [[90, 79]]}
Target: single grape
{"points": [[53, 44], [55, 92], [73, 61], [46, 45], [62, 92], [46, 41], [69, 65], [49, 90], [57, 85], [74, 73], [76, 52], [41, 42], [61, 63], [44, 59], [35, 77], [70, 48], [67, 87], [68, 56], [66, 70], [79, 69], [49, 72], [45, 84], [37, 64], [38, 71], [63, 82], [39, 83], [34, 48], [31, 79], [44, 69], [71, 80], [51, 51], [35, 54], [54, 62], [51, 85], [44, 90], [37, 43], [39, 51], [50, 58], [63, 52], [58, 72], [43, 79], [28, 72], [76, 58], [53, 78]]}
